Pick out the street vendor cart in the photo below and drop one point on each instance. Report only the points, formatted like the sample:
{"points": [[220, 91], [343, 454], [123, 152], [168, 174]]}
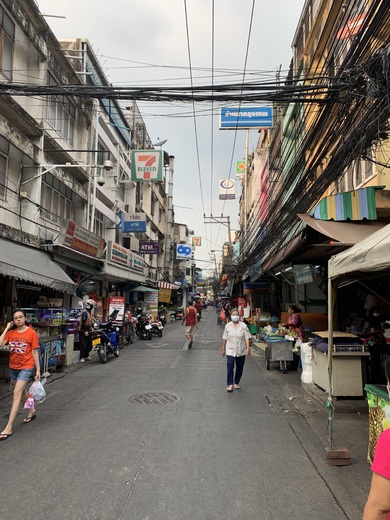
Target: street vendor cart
{"points": [[278, 348]]}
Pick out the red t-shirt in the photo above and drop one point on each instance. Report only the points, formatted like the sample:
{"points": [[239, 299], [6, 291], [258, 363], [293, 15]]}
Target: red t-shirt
{"points": [[381, 464], [191, 317], [21, 345]]}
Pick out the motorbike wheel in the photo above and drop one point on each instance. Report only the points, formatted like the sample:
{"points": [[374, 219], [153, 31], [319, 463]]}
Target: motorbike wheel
{"points": [[116, 352], [137, 332], [102, 351], [159, 333], [149, 336]]}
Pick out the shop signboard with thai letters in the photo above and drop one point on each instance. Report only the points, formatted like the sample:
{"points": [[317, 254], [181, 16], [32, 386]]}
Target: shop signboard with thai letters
{"points": [[117, 303], [137, 263], [80, 239], [151, 300], [164, 295], [118, 254], [147, 165], [232, 118]]}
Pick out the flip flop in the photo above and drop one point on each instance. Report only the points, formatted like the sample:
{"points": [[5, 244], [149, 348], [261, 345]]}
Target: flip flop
{"points": [[5, 436], [230, 388], [29, 419], [237, 387]]}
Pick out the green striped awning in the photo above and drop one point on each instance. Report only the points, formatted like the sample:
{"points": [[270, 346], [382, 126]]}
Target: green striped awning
{"points": [[352, 205]]}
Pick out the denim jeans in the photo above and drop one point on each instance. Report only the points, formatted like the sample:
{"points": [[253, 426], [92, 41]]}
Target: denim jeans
{"points": [[239, 361]]}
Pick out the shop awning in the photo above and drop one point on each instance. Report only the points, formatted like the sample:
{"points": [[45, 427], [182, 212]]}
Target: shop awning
{"points": [[142, 288], [355, 205], [33, 265], [369, 255], [347, 233], [167, 285], [75, 264]]}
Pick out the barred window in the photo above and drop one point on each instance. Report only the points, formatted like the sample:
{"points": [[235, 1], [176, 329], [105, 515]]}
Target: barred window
{"points": [[7, 38], [56, 199], [4, 152], [61, 114]]}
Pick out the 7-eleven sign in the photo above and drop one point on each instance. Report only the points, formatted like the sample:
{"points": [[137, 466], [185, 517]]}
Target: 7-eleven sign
{"points": [[147, 165]]}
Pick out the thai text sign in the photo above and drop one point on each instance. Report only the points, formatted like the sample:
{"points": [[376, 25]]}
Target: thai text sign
{"points": [[147, 165], [134, 223], [245, 117], [118, 254], [150, 247], [164, 295], [226, 189], [137, 263], [80, 239], [117, 303]]}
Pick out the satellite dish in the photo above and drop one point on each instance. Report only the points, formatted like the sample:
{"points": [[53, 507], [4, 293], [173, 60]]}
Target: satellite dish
{"points": [[160, 143]]}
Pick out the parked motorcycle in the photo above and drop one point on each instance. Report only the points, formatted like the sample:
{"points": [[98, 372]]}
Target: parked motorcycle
{"points": [[157, 327], [143, 328], [162, 316], [179, 313], [105, 339]]}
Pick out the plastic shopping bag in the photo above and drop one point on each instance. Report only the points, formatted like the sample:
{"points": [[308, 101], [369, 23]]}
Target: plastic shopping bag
{"points": [[29, 404], [222, 315], [37, 391]]}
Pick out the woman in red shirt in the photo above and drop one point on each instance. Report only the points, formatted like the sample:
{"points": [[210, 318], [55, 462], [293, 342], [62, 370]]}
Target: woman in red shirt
{"points": [[378, 503], [23, 362], [191, 321]]}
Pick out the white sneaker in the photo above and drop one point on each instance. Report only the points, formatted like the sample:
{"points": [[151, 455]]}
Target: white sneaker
{"points": [[89, 358], [82, 360]]}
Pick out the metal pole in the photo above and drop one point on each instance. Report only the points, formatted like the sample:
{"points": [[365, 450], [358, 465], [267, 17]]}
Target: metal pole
{"points": [[246, 182], [168, 241]]}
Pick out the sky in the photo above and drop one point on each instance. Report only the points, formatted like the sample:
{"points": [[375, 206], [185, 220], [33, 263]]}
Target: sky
{"points": [[145, 43]]}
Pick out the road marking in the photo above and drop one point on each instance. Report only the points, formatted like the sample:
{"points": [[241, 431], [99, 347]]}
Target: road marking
{"points": [[176, 361]]}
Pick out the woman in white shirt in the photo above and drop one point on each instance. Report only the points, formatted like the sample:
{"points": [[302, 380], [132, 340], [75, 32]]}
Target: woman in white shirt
{"points": [[235, 343]]}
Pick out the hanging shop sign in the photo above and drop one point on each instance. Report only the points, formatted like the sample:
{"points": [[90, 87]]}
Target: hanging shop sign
{"points": [[118, 254], [150, 247], [303, 275], [227, 189], [137, 263], [245, 117], [183, 251], [256, 287], [117, 303], [240, 168], [80, 239], [147, 165], [196, 241], [151, 300], [164, 295], [134, 223]]}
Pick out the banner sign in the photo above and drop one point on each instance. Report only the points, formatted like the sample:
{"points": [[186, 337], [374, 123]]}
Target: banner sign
{"points": [[164, 295], [117, 303], [137, 263], [303, 275], [240, 168], [183, 251], [245, 117], [118, 254], [147, 165], [151, 300], [196, 241], [227, 189], [80, 239], [136, 223], [150, 247]]}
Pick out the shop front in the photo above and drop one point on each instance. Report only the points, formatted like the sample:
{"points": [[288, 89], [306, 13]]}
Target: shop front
{"points": [[32, 281]]}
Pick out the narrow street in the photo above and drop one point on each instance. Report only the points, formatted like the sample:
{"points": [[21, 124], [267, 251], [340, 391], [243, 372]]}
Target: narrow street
{"points": [[184, 449]]}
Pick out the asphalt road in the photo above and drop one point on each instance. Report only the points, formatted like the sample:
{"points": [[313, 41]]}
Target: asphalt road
{"points": [[153, 435]]}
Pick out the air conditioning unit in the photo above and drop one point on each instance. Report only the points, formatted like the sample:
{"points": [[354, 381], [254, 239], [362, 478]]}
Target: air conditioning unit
{"points": [[134, 244]]}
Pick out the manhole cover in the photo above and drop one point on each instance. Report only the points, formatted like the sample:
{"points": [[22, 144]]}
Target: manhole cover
{"points": [[154, 398]]}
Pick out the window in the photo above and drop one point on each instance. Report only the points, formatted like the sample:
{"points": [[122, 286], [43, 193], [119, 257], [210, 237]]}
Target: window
{"points": [[7, 38], [56, 199], [4, 152], [363, 170], [98, 224], [61, 114]]}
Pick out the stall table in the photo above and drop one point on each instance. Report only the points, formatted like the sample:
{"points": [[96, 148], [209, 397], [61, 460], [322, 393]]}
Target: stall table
{"points": [[278, 350], [348, 368]]}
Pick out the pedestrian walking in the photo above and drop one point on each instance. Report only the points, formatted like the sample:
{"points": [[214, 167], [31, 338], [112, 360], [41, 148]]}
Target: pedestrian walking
{"points": [[219, 308], [191, 322], [378, 502], [85, 331], [235, 344], [23, 364]]}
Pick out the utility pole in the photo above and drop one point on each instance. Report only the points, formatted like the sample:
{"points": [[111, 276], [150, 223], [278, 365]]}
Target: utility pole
{"points": [[168, 241], [225, 221]]}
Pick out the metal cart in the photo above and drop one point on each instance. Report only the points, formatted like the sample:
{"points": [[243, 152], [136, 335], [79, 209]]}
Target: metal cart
{"points": [[279, 351]]}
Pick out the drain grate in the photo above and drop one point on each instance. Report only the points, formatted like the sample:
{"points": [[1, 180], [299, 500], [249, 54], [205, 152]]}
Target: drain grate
{"points": [[154, 398]]}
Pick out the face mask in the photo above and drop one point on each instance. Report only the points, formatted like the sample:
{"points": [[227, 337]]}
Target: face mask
{"points": [[235, 318]]}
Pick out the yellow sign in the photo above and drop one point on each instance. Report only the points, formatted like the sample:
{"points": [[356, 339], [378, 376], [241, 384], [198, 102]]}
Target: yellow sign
{"points": [[196, 241], [164, 295]]}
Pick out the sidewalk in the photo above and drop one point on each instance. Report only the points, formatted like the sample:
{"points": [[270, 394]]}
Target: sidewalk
{"points": [[350, 423]]}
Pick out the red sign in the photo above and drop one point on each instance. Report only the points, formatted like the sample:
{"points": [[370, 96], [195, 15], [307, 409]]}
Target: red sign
{"points": [[80, 239]]}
